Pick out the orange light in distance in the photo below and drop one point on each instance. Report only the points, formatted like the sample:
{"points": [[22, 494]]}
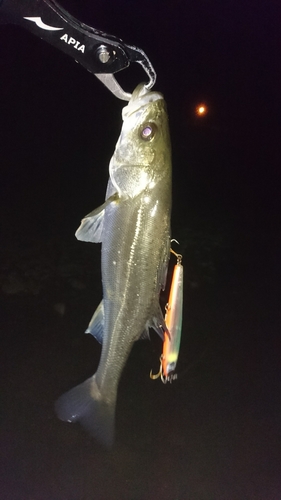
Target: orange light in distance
{"points": [[201, 110]]}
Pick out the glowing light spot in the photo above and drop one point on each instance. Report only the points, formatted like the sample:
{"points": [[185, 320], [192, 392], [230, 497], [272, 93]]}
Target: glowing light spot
{"points": [[201, 110]]}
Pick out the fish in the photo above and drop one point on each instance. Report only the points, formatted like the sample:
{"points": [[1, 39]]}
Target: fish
{"points": [[133, 226]]}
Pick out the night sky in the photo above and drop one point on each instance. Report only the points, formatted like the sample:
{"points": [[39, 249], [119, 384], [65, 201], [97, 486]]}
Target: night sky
{"points": [[59, 126]]}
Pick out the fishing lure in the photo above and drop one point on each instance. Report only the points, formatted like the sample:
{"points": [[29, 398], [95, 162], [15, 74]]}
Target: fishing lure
{"points": [[173, 320]]}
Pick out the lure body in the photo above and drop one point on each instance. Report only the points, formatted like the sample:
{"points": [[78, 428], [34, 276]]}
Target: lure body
{"points": [[173, 320]]}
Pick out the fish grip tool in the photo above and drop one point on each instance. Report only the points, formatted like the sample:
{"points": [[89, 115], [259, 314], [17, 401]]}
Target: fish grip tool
{"points": [[100, 53]]}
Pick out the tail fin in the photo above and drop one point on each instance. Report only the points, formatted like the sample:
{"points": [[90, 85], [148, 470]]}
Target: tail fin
{"points": [[84, 403]]}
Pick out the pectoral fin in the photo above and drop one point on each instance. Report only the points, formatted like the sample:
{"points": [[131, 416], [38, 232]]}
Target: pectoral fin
{"points": [[91, 226]]}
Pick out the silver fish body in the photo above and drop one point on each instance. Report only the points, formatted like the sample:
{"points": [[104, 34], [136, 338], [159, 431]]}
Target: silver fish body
{"points": [[134, 227]]}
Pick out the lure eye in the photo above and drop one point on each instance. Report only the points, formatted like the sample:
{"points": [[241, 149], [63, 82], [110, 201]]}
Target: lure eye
{"points": [[148, 131]]}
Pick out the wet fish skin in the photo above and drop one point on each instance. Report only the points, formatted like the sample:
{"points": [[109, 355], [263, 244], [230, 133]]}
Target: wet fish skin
{"points": [[134, 227]]}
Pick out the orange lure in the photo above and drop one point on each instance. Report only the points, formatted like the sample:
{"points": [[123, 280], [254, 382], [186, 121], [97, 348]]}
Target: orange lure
{"points": [[173, 320]]}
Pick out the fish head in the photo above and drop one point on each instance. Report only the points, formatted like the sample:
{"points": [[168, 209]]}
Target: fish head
{"points": [[143, 153]]}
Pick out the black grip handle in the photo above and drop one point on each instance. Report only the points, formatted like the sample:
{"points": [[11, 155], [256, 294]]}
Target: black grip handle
{"points": [[93, 49]]}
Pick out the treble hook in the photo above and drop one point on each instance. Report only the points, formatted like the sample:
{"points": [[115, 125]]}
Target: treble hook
{"points": [[178, 255], [159, 374], [164, 378]]}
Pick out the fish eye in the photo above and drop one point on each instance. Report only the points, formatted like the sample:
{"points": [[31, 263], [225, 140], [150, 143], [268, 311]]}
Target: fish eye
{"points": [[148, 131]]}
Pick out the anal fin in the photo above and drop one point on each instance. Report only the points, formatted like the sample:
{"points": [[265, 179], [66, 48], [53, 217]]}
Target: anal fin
{"points": [[96, 325]]}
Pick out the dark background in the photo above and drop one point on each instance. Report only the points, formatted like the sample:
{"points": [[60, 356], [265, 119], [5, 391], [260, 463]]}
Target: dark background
{"points": [[214, 434]]}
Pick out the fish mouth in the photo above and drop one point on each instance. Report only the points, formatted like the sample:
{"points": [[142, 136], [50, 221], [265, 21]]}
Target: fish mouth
{"points": [[140, 98]]}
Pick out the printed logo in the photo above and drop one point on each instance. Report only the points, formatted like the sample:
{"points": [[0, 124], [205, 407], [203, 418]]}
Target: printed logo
{"points": [[71, 41], [38, 21]]}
